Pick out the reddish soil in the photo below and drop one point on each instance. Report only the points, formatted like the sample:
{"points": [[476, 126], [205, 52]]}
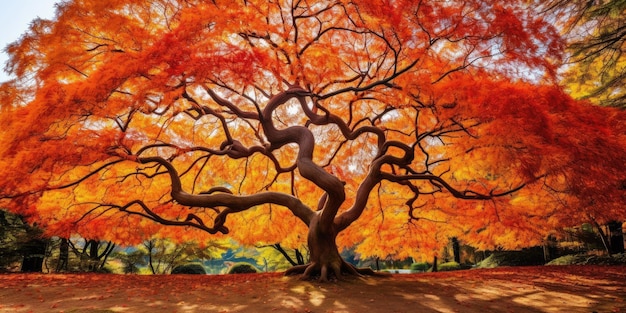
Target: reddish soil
{"points": [[513, 289]]}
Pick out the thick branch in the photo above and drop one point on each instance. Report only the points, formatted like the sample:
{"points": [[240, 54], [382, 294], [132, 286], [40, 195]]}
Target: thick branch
{"points": [[191, 221], [305, 140], [371, 180], [233, 203]]}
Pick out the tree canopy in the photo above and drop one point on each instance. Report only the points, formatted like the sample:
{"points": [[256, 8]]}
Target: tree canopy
{"points": [[596, 38], [386, 125]]}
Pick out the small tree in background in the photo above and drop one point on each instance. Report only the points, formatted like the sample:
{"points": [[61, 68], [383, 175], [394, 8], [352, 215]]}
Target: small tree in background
{"points": [[164, 255], [20, 243]]}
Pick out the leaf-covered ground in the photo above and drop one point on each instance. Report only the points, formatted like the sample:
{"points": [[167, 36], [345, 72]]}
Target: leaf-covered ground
{"points": [[508, 289]]}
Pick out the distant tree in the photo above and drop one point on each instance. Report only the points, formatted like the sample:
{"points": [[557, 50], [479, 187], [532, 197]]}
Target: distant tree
{"points": [[10, 226], [294, 258], [616, 237], [93, 254], [64, 255], [164, 255], [20, 243], [132, 260]]}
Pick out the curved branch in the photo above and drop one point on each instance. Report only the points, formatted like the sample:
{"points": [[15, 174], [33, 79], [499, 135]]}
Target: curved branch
{"points": [[305, 140], [233, 203], [329, 118], [384, 81], [363, 192], [227, 104], [438, 181], [192, 220], [375, 176], [68, 185]]}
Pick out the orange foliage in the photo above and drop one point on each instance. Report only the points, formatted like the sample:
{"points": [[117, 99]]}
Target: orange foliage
{"points": [[439, 120]]}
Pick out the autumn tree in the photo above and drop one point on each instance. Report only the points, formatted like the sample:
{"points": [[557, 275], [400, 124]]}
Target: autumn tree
{"points": [[93, 254], [596, 38], [391, 126], [596, 64]]}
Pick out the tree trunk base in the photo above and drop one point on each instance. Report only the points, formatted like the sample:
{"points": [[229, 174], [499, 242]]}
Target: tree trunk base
{"points": [[314, 271], [326, 263]]}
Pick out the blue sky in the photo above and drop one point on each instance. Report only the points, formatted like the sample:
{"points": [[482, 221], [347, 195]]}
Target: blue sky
{"points": [[15, 16]]}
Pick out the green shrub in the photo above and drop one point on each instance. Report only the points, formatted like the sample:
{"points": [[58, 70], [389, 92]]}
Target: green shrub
{"points": [[525, 257], [449, 266], [419, 267], [565, 260], [590, 259], [191, 268], [242, 268]]}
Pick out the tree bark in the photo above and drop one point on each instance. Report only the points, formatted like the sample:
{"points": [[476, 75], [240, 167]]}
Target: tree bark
{"points": [[325, 261], [604, 237], [150, 246], [299, 257], [456, 250], [64, 255], [616, 238]]}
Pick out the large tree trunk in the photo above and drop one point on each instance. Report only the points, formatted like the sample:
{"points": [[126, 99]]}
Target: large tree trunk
{"points": [[325, 261], [616, 238], [93, 255]]}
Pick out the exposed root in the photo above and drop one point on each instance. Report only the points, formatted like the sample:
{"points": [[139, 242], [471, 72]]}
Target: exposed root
{"points": [[329, 272], [296, 270]]}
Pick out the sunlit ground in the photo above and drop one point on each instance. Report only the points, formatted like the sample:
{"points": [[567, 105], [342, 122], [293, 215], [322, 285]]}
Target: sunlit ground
{"points": [[522, 289]]}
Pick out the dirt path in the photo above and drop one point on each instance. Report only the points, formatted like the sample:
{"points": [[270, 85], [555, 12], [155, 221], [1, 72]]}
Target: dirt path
{"points": [[520, 289]]}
